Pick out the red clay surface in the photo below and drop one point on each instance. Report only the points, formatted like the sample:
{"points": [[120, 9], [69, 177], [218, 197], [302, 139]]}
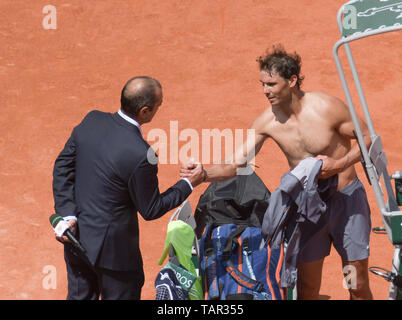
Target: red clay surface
{"points": [[204, 53]]}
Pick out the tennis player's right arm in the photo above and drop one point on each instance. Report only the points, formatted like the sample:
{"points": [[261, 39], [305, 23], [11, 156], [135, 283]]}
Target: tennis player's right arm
{"points": [[243, 156]]}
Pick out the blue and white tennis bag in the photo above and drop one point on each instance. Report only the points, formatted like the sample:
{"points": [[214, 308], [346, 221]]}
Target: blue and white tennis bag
{"points": [[232, 264]]}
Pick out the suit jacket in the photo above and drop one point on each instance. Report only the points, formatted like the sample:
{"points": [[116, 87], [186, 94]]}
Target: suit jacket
{"points": [[103, 177]]}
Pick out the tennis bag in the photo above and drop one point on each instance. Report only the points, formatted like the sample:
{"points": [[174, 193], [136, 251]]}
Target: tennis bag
{"points": [[234, 265]]}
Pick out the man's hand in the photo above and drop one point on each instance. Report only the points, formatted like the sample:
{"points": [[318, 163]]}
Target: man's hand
{"points": [[330, 166], [187, 168], [72, 226], [193, 171]]}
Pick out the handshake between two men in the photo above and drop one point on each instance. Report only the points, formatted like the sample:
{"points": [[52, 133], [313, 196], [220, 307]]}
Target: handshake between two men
{"points": [[194, 172], [197, 174]]}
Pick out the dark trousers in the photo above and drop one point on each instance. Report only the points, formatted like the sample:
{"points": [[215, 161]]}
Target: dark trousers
{"points": [[86, 282]]}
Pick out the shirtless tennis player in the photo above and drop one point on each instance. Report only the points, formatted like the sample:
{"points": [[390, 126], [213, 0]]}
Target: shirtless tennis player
{"points": [[306, 124]]}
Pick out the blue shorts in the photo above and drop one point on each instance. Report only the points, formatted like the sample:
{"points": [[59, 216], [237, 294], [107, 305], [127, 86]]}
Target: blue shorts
{"points": [[346, 224]]}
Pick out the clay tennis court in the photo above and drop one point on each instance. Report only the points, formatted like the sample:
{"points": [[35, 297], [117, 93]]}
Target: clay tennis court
{"points": [[204, 54]]}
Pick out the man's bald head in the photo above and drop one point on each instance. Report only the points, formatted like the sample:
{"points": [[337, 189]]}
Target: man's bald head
{"points": [[139, 92]]}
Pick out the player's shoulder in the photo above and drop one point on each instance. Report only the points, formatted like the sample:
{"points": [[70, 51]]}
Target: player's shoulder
{"points": [[324, 102], [329, 108], [323, 97]]}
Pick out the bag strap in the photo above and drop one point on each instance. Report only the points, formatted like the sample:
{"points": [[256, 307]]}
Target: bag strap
{"points": [[208, 244], [241, 278], [227, 251], [232, 269], [247, 253]]}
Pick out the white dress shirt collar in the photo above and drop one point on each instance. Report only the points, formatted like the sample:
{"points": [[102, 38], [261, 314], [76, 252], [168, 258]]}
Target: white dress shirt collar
{"points": [[131, 120]]}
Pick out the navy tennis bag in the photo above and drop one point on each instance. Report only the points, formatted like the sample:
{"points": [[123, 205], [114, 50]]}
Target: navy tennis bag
{"points": [[234, 265]]}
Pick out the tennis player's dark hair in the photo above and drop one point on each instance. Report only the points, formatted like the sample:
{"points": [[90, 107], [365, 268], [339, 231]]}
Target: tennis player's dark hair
{"points": [[133, 100], [276, 59]]}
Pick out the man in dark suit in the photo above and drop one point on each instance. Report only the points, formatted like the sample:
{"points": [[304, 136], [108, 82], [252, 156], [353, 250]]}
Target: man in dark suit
{"points": [[101, 179]]}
